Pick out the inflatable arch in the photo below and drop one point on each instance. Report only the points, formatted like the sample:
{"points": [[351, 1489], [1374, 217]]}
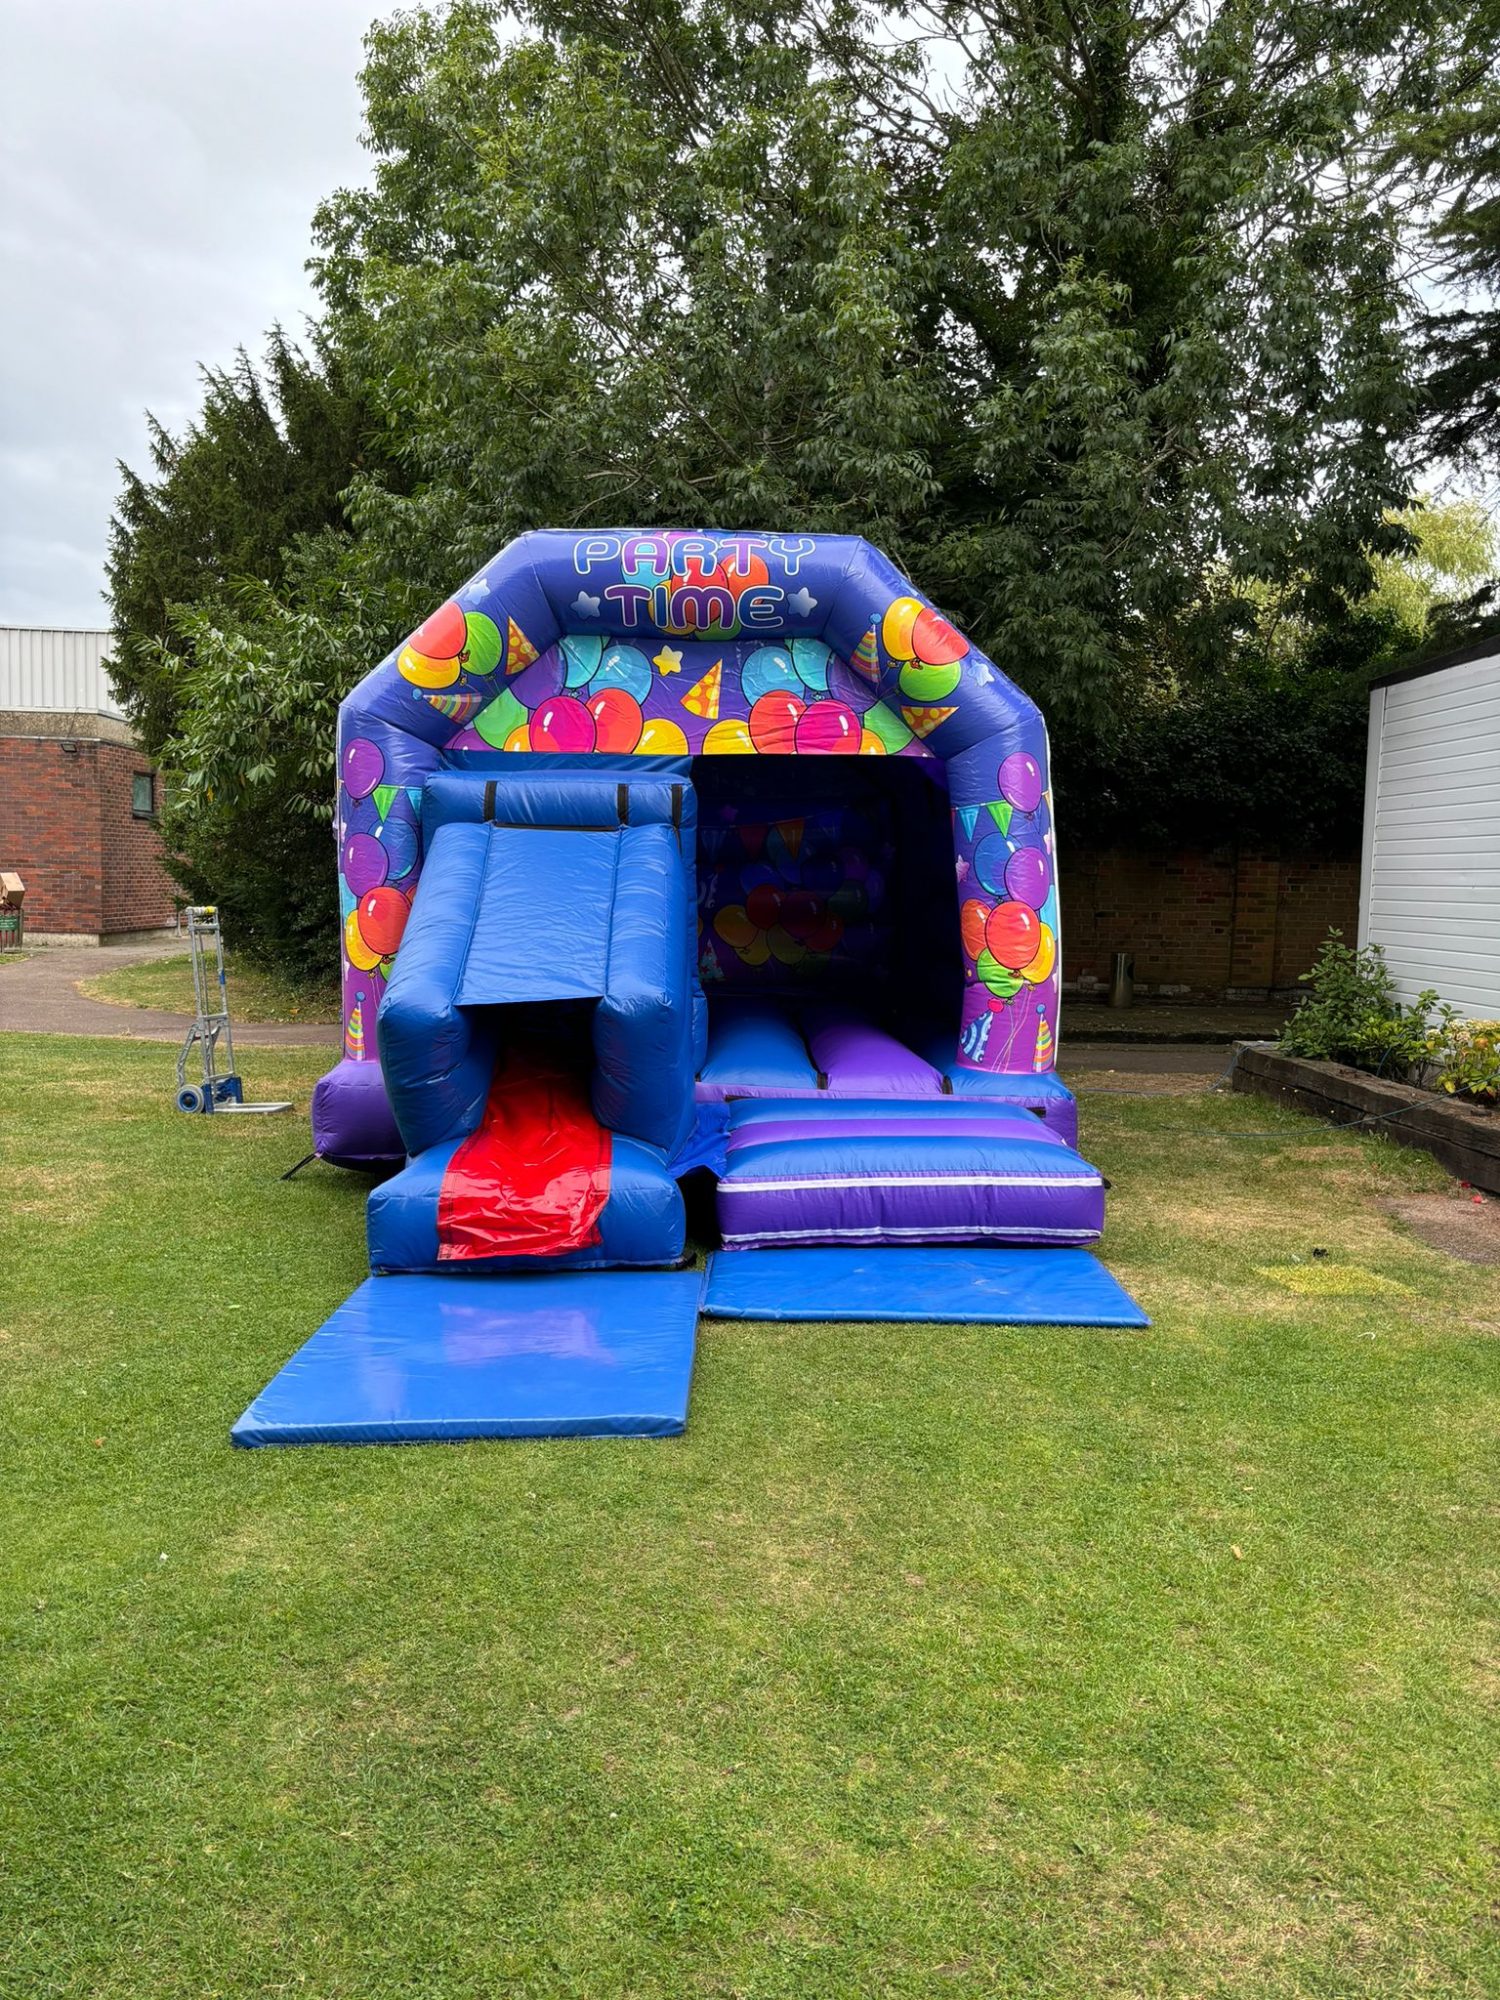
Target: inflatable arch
{"points": [[870, 793]]}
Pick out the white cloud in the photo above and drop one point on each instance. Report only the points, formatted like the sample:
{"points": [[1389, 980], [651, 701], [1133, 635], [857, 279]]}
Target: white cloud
{"points": [[160, 161]]}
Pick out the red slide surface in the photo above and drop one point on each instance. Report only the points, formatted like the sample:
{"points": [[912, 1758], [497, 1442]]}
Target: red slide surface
{"points": [[533, 1177]]}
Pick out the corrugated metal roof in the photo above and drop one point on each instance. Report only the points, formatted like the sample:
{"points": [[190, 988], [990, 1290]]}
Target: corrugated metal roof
{"points": [[45, 670]]}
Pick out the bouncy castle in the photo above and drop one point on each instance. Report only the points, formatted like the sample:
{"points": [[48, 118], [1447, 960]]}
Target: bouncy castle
{"points": [[676, 852]]}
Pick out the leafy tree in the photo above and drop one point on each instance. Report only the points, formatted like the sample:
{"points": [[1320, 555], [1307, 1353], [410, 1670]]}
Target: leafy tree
{"points": [[1452, 139], [213, 535], [1094, 316]]}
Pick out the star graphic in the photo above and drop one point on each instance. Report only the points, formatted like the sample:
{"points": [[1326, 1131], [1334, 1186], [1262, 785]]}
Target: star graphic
{"points": [[803, 602], [584, 606], [669, 660]]}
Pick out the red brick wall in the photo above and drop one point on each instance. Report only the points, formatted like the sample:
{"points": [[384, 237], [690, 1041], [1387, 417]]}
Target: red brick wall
{"points": [[1204, 923], [137, 891], [67, 830]]}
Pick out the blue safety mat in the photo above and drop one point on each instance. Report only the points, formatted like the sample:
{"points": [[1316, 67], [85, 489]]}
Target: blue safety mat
{"points": [[961, 1287], [568, 1354]]}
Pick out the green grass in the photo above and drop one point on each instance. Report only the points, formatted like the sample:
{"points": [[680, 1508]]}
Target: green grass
{"points": [[255, 994], [932, 1661]]}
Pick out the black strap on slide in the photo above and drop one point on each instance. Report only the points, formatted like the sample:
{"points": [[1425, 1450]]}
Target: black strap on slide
{"points": [[677, 814], [622, 804], [489, 798]]}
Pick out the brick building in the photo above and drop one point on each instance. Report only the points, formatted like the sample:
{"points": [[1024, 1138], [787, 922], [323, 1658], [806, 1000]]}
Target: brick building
{"points": [[78, 798]]}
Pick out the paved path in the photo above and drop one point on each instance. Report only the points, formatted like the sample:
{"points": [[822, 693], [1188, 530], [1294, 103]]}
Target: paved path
{"points": [[40, 996]]}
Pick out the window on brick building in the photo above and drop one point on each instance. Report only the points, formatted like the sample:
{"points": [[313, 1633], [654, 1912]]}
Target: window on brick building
{"points": [[143, 795]]}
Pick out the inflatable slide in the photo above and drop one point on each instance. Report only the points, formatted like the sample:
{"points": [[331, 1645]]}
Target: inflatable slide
{"points": [[664, 854]]}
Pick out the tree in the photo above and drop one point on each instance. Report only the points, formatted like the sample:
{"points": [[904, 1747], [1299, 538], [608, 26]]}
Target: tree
{"points": [[1452, 140], [1091, 316], [212, 536]]}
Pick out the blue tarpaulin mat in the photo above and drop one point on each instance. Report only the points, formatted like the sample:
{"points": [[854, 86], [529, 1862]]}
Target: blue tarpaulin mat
{"points": [[1010, 1287], [409, 1359]]}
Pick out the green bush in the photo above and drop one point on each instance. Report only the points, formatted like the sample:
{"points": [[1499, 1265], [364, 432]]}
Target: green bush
{"points": [[1351, 1015], [1470, 1062]]}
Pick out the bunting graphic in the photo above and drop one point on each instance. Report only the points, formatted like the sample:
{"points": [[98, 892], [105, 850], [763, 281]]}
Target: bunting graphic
{"points": [[1001, 811], [702, 698], [384, 797], [922, 721], [791, 831], [519, 651], [968, 819]]}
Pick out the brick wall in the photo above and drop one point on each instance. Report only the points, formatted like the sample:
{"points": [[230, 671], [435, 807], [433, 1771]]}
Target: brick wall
{"points": [[66, 828], [136, 889], [1201, 924]]}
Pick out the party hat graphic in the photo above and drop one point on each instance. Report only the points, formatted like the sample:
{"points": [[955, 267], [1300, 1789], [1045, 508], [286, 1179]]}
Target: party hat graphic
{"points": [[458, 707], [702, 698], [1042, 1060], [519, 651], [354, 1034], [865, 659]]}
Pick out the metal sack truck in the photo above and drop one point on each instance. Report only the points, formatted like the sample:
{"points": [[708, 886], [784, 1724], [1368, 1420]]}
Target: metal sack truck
{"points": [[221, 1089]]}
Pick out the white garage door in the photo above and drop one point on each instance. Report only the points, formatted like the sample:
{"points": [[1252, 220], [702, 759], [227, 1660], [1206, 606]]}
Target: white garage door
{"points": [[1430, 887]]}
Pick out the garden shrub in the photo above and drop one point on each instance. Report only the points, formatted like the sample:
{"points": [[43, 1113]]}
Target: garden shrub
{"points": [[1469, 1065]]}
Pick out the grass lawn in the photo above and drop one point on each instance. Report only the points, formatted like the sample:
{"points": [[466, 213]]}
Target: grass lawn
{"points": [[254, 993], [932, 1661]]}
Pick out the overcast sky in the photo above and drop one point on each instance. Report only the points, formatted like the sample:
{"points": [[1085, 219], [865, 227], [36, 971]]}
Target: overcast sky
{"points": [[160, 161]]}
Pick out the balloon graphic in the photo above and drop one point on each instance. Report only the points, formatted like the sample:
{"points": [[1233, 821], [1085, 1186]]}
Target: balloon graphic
{"points": [[355, 948], [897, 626], [1040, 967], [870, 744], [444, 635], [1012, 934], [1028, 876], [382, 918], [828, 729], [581, 658], [625, 667], [991, 859], [811, 657], [995, 977], [825, 933], [763, 906], [768, 670], [971, 921], [733, 925], [425, 673], [728, 739], [482, 644], [362, 767], [365, 863], [801, 913], [773, 724], [661, 738], [1021, 781], [785, 947], [929, 684], [617, 720], [934, 640], [519, 738], [562, 723]]}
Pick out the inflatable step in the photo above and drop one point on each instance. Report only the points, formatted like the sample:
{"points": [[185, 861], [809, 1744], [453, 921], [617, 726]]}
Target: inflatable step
{"points": [[870, 1171]]}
